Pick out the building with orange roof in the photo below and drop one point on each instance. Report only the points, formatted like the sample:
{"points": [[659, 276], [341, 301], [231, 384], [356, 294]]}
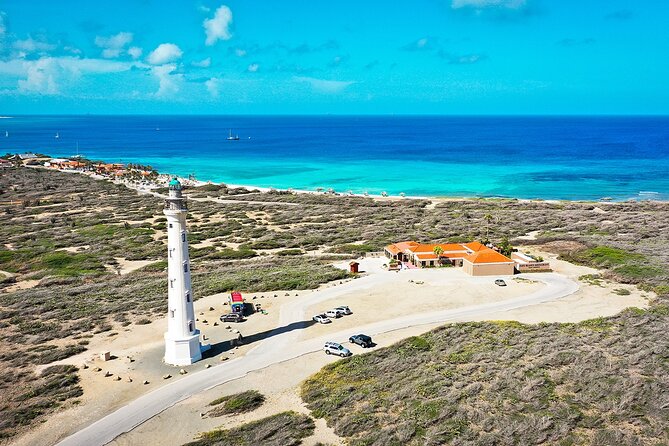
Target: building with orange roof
{"points": [[475, 258]]}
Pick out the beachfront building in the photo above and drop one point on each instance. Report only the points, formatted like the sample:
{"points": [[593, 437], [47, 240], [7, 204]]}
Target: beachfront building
{"points": [[475, 258], [182, 339]]}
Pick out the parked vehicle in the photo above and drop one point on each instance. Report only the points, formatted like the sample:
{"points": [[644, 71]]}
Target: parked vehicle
{"points": [[334, 348], [334, 313], [232, 317], [321, 319], [500, 282], [236, 302], [362, 340], [344, 309]]}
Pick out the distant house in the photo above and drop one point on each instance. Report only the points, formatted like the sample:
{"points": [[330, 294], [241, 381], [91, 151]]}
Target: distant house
{"points": [[27, 156], [116, 169], [474, 258], [61, 163], [5, 163]]}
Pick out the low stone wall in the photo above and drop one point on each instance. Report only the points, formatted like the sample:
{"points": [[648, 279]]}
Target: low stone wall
{"points": [[533, 267]]}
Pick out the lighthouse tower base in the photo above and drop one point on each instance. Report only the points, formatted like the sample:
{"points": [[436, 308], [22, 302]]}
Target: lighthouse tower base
{"points": [[183, 350]]}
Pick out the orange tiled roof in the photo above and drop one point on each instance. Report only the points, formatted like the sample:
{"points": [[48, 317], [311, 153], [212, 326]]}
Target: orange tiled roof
{"points": [[426, 256], [396, 248], [446, 247], [475, 246], [488, 255]]}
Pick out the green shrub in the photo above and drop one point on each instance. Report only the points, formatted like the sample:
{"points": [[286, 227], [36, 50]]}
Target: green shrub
{"points": [[283, 429], [237, 403]]}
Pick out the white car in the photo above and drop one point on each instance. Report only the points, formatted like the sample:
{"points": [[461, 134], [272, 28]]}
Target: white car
{"points": [[334, 313], [321, 319], [344, 310], [334, 348]]}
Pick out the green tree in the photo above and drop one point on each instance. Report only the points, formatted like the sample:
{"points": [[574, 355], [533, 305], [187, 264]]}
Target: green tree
{"points": [[505, 247], [438, 250]]}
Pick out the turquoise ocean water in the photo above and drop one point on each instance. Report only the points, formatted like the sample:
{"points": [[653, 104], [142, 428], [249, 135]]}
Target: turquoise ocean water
{"points": [[521, 157]]}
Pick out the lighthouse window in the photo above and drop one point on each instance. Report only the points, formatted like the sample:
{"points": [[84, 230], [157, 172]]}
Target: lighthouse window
{"points": [[170, 225], [172, 313], [183, 236], [172, 283], [185, 267], [190, 326], [187, 296]]}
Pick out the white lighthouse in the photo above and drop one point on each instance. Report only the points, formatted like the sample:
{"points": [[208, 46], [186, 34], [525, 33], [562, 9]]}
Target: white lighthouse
{"points": [[182, 339]]}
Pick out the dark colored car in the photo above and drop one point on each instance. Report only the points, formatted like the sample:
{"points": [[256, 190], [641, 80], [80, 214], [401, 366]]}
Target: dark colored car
{"points": [[362, 340], [500, 282], [232, 317]]}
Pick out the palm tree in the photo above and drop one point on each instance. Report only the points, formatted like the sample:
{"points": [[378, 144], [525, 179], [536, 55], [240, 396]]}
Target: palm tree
{"points": [[437, 251], [488, 219]]}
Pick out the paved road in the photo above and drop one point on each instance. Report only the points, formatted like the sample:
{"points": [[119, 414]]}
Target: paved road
{"points": [[282, 346]]}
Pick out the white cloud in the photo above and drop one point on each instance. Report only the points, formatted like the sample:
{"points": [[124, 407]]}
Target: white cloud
{"points": [[169, 83], [253, 68], [165, 53], [112, 46], [240, 53], [213, 86], [135, 52], [54, 75], [204, 63], [218, 27], [325, 86], [41, 77], [31, 45], [482, 4]]}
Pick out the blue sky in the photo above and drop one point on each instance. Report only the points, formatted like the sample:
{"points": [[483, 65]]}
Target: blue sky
{"points": [[344, 57]]}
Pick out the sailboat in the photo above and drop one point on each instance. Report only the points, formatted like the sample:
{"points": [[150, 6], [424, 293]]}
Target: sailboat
{"points": [[77, 156], [6, 134], [233, 138], [57, 135]]}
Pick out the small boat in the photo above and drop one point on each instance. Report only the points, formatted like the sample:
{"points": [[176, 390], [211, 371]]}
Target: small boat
{"points": [[232, 138], [6, 134], [57, 135], [77, 156]]}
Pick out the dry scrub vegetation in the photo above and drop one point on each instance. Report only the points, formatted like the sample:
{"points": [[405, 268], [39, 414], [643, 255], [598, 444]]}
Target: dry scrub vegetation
{"points": [[62, 247], [283, 429]]}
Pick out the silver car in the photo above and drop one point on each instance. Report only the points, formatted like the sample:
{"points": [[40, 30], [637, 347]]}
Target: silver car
{"points": [[334, 348], [344, 310]]}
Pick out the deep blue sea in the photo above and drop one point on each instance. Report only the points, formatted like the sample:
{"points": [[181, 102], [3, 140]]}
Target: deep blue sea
{"points": [[575, 158]]}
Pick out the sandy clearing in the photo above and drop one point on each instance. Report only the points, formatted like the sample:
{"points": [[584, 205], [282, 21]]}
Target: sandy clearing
{"points": [[413, 292], [74, 249], [127, 266]]}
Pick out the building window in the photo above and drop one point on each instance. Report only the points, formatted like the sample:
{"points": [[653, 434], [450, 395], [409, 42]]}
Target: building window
{"points": [[187, 296], [172, 313], [183, 236], [171, 283], [185, 267], [190, 326], [170, 225]]}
